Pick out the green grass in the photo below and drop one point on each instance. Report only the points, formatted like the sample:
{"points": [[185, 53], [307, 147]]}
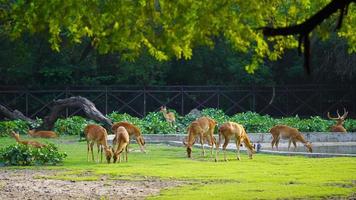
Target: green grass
{"points": [[264, 177]]}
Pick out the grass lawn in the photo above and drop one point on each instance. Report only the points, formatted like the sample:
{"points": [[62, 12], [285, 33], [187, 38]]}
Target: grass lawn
{"points": [[263, 177]]}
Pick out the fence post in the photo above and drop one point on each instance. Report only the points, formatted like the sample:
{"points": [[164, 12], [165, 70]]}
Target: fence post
{"points": [[218, 93], [144, 101], [26, 102], [106, 100], [182, 100], [66, 94], [253, 99]]}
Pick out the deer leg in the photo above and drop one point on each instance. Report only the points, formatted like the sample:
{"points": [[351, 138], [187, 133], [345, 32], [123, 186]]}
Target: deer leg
{"points": [[290, 141], [97, 157], [277, 142], [273, 142], [226, 142], [202, 143], [126, 152], [295, 145], [238, 142], [88, 149], [91, 149], [217, 149]]}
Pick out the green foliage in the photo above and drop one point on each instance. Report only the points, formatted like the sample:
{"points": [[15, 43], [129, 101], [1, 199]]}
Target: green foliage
{"points": [[350, 125], [71, 125], [216, 114], [155, 123], [22, 155], [166, 29], [117, 117], [254, 122], [18, 126]]}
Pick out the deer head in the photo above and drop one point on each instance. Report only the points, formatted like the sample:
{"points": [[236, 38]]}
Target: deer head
{"points": [[308, 145], [339, 119]]}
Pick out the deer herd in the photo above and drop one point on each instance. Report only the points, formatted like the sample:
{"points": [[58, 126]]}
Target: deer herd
{"points": [[202, 128]]}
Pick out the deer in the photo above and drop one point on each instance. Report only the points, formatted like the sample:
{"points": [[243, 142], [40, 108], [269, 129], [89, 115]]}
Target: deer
{"points": [[338, 127], [27, 142], [203, 128], [132, 130], [169, 116], [292, 134], [236, 131], [122, 139], [42, 134], [97, 134]]}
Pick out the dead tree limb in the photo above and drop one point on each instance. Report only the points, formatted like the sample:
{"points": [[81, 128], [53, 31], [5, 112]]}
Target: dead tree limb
{"points": [[310, 24], [14, 114], [80, 102]]}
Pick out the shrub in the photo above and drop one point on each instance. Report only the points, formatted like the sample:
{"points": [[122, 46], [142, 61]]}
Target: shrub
{"points": [[71, 126], [216, 114], [22, 155], [18, 126], [155, 123], [117, 117], [254, 122], [350, 125]]}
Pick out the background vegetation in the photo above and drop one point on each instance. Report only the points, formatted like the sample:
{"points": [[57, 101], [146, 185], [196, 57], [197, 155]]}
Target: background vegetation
{"points": [[30, 62], [154, 123]]}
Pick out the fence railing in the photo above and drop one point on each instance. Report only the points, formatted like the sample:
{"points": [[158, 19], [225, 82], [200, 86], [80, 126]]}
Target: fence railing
{"points": [[279, 101]]}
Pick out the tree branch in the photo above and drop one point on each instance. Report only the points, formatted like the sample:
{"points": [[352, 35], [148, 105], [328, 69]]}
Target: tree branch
{"points": [[306, 27], [14, 114], [88, 107]]}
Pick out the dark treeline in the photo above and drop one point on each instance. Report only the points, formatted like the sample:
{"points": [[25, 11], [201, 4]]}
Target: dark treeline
{"points": [[30, 62]]}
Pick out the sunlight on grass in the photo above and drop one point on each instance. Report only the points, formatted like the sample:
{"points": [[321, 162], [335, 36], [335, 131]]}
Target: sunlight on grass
{"points": [[265, 176]]}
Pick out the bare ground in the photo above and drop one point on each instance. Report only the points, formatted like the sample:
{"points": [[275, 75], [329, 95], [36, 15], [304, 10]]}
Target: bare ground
{"points": [[23, 184]]}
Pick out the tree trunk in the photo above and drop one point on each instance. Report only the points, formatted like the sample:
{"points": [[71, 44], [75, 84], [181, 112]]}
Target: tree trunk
{"points": [[14, 114], [81, 102]]}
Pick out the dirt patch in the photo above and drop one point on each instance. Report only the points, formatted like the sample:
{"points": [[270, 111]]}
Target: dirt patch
{"points": [[22, 184]]}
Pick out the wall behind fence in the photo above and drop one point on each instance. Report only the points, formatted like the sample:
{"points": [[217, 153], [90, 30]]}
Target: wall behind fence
{"points": [[278, 101]]}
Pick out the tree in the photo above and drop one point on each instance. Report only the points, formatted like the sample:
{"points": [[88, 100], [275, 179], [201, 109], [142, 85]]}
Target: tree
{"points": [[167, 29]]}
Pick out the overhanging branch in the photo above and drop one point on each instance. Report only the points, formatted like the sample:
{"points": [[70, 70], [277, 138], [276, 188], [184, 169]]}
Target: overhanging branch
{"points": [[310, 24]]}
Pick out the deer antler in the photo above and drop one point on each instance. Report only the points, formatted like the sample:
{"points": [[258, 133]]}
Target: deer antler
{"points": [[332, 117], [345, 114]]}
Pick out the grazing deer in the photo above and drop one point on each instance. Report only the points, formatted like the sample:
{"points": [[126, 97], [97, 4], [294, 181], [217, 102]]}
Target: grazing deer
{"points": [[338, 127], [132, 130], [292, 134], [169, 116], [42, 134], [27, 142], [234, 130], [202, 128], [123, 139], [97, 134]]}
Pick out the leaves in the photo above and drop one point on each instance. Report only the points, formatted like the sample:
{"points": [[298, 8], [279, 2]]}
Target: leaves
{"points": [[22, 155], [167, 29]]}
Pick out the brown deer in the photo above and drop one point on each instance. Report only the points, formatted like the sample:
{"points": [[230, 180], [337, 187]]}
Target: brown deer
{"points": [[169, 116], [97, 134], [202, 128], [132, 130], [292, 134], [123, 139], [234, 130], [27, 142], [42, 134], [338, 127]]}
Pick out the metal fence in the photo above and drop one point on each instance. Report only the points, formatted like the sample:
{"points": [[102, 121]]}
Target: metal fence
{"points": [[278, 101]]}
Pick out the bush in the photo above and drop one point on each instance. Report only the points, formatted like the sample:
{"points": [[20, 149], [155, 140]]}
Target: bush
{"points": [[71, 126], [22, 155], [350, 125], [155, 123], [18, 126], [254, 122]]}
